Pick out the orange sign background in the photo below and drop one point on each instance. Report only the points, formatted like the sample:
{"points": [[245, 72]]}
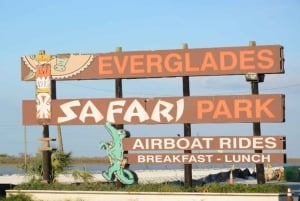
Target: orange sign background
{"points": [[162, 63]]}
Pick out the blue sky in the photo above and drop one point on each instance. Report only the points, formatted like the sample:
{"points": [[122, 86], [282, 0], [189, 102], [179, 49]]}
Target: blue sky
{"points": [[95, 26]]}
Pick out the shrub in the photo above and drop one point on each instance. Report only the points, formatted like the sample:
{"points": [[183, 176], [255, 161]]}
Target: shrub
{"points": [[18, 197], [212, 187], [82, 175], [60, 161]]}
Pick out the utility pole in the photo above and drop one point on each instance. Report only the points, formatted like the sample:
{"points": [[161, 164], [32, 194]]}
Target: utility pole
{"points": [[59, 139], [118, 89], [46, 154], [47, 149], [254, 79], [187, 129], [25, 148], [119, 94]]}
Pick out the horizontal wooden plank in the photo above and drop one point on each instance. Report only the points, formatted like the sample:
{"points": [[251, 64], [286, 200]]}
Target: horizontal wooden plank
{"points": [[204, 143], [231, 158], [161, 63], [162, 110]]}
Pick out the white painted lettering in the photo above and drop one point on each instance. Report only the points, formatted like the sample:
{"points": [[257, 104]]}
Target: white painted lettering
{"points": [[162, 108], [136, 110], [156, 144], [111, 110], [258, 143], [94, 112], [69, 113], [270, 142], [141, 159], [169, 143], [180, 108], [138, 144], [207, 142], [225, 143], [243, 143], [247, 158]]}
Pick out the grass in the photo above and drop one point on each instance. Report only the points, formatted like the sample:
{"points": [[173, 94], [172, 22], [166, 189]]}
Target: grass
{"points": [[17, 197], [211, 188], [155, 187], [101, 186], [242, 188]]}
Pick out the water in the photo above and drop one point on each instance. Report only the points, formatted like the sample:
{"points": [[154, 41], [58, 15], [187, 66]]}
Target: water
{"points": [[8, 170], [98, 168]]}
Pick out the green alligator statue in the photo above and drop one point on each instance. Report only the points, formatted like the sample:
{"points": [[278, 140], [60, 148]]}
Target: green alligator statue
{"points": [[116, 156]]}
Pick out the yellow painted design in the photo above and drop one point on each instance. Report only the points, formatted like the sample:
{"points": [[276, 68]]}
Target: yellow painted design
{"points": [[45, 90], [43, 57]]}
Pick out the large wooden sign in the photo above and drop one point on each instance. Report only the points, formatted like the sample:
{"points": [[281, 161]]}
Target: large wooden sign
{"points": [[266, 59], [162, 110], [206, 149], [161, 63]]}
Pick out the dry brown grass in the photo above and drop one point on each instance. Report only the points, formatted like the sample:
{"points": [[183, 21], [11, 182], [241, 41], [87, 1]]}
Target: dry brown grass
{"points": [[17, 160], [293, 160], [90, 160]]}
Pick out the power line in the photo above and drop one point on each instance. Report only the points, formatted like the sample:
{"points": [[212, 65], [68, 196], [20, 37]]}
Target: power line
{"points": [[155, 94], [284, 87]]}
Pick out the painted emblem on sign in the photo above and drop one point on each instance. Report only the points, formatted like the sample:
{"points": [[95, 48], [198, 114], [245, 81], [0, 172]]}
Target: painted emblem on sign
{"points": [[62, 66], [116, 157], [43, 87]]}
